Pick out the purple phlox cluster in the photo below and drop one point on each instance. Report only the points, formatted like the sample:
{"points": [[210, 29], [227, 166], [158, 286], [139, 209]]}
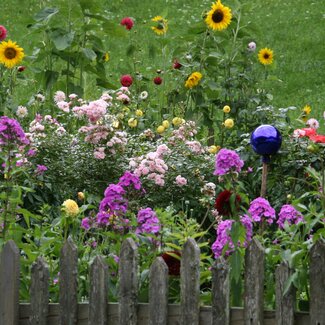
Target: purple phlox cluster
{"points": [[129, 179], [148, 222], [227, 161], [261, 208], [40, 169], [290, 214], [224, 238], [11, 132], [85, 223]]}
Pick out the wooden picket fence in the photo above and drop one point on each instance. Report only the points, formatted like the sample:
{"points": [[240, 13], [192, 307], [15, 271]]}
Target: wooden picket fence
{"points": [[157, 312]]}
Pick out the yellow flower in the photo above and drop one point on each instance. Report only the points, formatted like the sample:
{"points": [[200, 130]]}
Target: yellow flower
{"points": [[160, 129], [265, 56], [106, 57], [81, 196], [165, 124], [10, 54], [214, 149], [116, 124], [177, 121], [219, 17], [70, 207], [229, 123], [132, 122], [307, 109], [193, 80], [139, 113], [226, 109], [161, 27]]}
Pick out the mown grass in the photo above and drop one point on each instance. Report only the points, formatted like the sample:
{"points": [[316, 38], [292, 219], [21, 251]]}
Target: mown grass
{"points": [[293, 29]]}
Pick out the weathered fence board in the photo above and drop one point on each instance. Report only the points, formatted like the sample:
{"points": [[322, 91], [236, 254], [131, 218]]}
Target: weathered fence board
{"points": [[9, 284], [190, 283], [128, 291], [68, 282], [254, 284], [158, 293], [39, 292]]}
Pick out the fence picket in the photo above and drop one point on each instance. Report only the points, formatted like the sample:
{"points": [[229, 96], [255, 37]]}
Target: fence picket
{"points": [[98, 292], [317, 283], [285, 303], [190, 283], [68, 297], [9, 284], [158, 293], [128, 291], [220, 292], [254, 284], [39, 292]]}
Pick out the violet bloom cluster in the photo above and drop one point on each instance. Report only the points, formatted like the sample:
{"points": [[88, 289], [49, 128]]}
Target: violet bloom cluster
{"points": [[147, 222], [11, 132], [290, 214], [227, 161], [223, 236], [260, 209], [129, 179]]}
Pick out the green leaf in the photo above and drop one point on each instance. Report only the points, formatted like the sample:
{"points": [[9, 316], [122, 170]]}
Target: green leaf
{"points": [[50, 78], [130, 50], [96, 16], [46, 14], [235, 263], [114, 29], [89, 54], [105, 84], [61, 38]]}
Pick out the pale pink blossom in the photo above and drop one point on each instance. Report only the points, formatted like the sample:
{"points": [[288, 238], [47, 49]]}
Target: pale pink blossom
{"points": [[181, 181], [59, 96]]}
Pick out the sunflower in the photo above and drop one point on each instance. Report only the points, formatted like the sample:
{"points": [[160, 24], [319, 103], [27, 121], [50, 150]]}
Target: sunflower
{"points": [[10, 54], [305, 112], [106, 57], [219, 17], [265, 56], [161, 27], [193, 80]]}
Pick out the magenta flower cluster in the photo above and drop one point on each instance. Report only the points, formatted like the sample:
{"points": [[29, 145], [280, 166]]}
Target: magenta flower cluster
{"points": [[11, 132], [288, 214], [129, 179], [147, 222], [224, 239], [227, 161], [260, 209]]}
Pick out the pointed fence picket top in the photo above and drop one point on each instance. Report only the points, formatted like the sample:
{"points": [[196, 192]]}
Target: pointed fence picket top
{"points": [[220, 292], [128, 291], [68, 281], [98, 295], [254, 284], [317, 283], [9, 284], [190, 283], [158, 293], [284, 303], [39, 293]]}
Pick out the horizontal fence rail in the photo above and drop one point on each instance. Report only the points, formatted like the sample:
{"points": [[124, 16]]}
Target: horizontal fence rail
{"points": [[99, 311]]}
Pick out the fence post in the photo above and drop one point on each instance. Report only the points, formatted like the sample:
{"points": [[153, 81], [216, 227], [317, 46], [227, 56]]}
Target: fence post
{"points": [[39, 292], [68, 282], [158, 293], [128, 292], [190, 283], [220, 292], [98, 295], [9, 284], [254, 284], [317, 283]]}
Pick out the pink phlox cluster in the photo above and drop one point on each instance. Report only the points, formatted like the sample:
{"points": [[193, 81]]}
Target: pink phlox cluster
{"points": [[117, 142], [99, 153], [148, 222], [63, 106], [227, 161], [59, 96], [96, 110], [260, 209], [290, 215], [186, 131], [195, 146], [124, 98], [180, 181], [95, 133]]}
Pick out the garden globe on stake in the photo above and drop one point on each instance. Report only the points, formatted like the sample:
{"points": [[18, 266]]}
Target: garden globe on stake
{"points": [[266, 141]]}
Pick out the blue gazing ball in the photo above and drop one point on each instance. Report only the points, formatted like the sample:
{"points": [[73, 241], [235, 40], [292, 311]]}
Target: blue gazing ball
{"points": [[266, 140]]}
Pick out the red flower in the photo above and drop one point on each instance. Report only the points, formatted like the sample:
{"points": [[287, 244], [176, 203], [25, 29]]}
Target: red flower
{"points": [[21, 68], [174, 264], [3, 33], [127, 22], [158, 80], [176, 64], [222, 203], [126, 80], [318, 138]]}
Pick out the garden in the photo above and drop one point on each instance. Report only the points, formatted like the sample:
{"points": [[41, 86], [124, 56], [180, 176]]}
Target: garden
{"points": [[159, 125]]}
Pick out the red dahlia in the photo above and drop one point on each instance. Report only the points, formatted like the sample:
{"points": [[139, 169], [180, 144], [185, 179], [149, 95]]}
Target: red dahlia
{"points": [[176, 64], [173, 263], [21, 68], [158, 80], [126, 80], [222, 203], [127, 22]]}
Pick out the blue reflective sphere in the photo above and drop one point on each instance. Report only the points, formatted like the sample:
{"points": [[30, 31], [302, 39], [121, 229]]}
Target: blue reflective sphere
{"points": [[266, 140]]}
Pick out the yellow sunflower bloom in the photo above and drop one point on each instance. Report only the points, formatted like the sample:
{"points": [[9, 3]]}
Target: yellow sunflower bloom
{"points": [[106, 57], [161, 27], [219, 17], [193, 80], [10, 54], [265, 56], [307, 109]]}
